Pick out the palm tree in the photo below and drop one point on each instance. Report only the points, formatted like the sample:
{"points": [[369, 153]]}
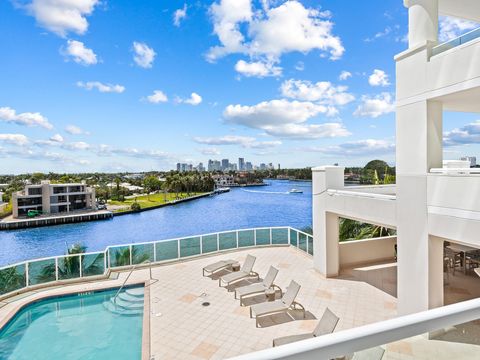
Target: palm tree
{"points": [[11, 279]]}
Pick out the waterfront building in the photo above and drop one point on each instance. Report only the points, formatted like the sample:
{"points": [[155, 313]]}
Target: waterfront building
{"points": [[50, 198], [431, 206], [223, 180], [471, 159]]}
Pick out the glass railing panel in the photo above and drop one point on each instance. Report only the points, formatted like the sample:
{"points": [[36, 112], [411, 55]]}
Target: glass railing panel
{"points": [[12, 278], [246, 238], [279, 236], [41, 271], [119, 256], [293, 237], [68, 267], [167, 250], [142, 253], [189, 246], [472, 35], [310, 244], [209, 243], [302, 241], [228, 240], [263, 236], [93, 264]]}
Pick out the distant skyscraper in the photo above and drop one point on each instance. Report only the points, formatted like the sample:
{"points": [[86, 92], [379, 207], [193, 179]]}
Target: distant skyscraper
{"points": [[179, 167], [225, 164], [263, 166], [241, 164], [248, 166]]}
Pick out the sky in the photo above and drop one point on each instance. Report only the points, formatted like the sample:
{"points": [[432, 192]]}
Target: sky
{"points": [[110, 86]]}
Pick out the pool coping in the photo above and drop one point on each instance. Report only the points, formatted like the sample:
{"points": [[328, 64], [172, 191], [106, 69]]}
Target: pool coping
{"points": [[40, 296]]}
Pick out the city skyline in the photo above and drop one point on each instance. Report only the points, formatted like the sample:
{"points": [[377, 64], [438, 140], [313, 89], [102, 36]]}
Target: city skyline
{"points": [[225, 165], [180, 81]]}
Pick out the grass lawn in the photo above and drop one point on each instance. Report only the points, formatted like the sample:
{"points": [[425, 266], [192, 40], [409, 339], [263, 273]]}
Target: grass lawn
{"points": [[7, 210], [148, 201]]}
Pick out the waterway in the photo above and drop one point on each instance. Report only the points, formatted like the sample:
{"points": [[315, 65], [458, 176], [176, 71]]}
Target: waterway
{"points": [[240, 208]]}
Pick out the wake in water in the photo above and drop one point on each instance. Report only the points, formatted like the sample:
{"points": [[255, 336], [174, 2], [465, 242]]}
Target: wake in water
{"points": [[267, 192]]}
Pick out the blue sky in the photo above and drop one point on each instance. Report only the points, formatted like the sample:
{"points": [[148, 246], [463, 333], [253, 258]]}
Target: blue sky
{"points": [[91, 85]]}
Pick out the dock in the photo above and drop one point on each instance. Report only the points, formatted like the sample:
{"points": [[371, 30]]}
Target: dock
{"points": [[13, 224]]}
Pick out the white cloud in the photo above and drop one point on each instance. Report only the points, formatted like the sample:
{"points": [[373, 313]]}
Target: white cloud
{"points": [[209, 151], [179, 15], [285, 118], [75, 130], [344, 75], [79, 53], [258, 69], [57, 138], [451, 28], [376, 106], [468, 134], [300, 66], [194, 99], [244, 141], [104, 88], [62, 16], [78, 145], [357, 148], [322, 92], [157, 97], [144, 55], [378, 78], [9, 115], [14, 139], [273, 31]]}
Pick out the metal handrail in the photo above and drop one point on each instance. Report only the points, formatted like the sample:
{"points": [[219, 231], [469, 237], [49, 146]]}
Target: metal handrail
{"points": [[128, 277]]}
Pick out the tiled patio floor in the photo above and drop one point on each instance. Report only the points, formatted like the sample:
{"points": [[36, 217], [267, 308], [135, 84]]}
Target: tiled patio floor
{"points": [[181, 328]]}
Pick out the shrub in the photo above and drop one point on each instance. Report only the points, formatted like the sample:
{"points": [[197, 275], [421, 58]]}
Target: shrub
{"points": [[135, 206]]}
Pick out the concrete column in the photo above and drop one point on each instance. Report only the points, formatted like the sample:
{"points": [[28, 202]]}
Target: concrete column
{"points": [[435, 272], [422, 21], [325, 224], [419, 148]]}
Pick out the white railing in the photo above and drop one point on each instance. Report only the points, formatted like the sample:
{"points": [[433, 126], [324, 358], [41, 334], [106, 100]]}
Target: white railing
{"points": [[377, 334], [372, 195], [75, 267]]}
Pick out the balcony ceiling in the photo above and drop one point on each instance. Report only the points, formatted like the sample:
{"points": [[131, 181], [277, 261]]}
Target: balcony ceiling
{"points": [[465, 9], [463, 101]]}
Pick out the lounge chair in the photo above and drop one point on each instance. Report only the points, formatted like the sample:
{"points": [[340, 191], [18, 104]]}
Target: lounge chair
{"points": [[245, 272], [259, 288], [282, 305], [375, 353], [326, 325], [219, 265]]}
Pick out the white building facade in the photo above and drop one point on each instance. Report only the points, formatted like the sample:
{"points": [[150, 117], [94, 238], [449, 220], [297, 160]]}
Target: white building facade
{"points": [[53, 199], [430, 205]]}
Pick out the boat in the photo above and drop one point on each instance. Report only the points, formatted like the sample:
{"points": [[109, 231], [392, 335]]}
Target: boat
{"points": [[296, 191]]}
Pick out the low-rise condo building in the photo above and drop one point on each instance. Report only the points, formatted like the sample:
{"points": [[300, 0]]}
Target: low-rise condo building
{"points": [[47, 198]]}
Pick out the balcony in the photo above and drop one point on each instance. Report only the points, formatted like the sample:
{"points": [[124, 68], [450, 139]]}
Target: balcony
{"points": [[454, 212], [472, 35]]}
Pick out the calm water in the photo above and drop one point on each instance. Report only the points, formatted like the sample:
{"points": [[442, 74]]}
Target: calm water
{"points": [[72, 327], [240, 208]]}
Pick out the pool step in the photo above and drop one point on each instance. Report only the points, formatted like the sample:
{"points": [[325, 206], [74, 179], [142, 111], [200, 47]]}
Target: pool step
{"points": [[127, 305], [115, 309], [133, 299], [137, 292]]}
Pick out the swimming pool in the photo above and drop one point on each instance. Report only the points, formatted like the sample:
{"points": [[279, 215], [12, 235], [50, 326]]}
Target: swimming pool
{"points": [[80, 326]]}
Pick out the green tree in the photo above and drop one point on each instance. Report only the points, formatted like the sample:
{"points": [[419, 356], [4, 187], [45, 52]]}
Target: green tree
{"points": [[151, 184]]}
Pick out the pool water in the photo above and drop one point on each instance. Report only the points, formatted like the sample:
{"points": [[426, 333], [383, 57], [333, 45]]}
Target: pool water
{"points": [[81, 326]]}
